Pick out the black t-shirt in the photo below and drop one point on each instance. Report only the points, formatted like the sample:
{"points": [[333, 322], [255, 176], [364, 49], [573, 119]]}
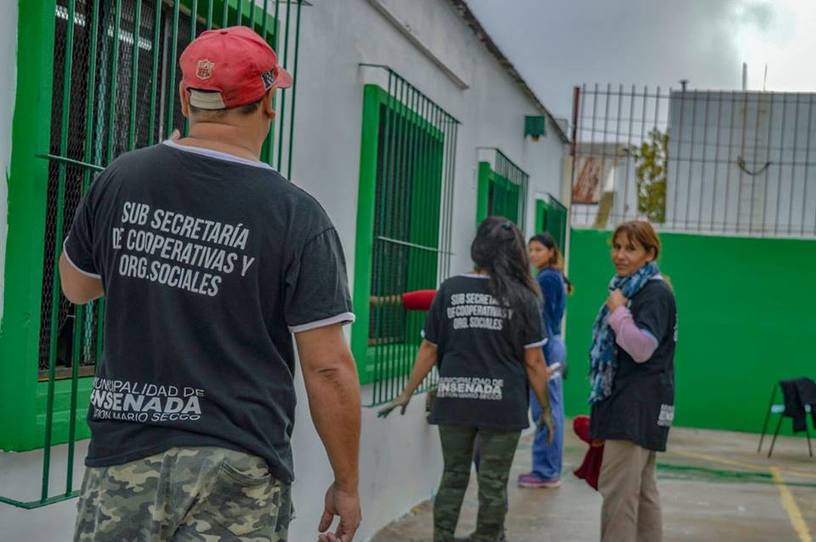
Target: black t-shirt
{"points": [[641, 407], [482, 376], [209, 263]]}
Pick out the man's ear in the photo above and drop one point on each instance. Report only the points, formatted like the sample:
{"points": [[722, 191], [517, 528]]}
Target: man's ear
{"points": [[268, 103], [184, 98]]}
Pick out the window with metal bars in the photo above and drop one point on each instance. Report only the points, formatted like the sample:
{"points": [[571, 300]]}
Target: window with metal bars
{"points": [[102, 75], [551, 216], [502, 188], [404, 224], [123, 94]]}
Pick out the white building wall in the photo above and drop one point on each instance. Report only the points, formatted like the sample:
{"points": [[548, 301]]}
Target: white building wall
{"points": [[8, 89], [400, 460]]}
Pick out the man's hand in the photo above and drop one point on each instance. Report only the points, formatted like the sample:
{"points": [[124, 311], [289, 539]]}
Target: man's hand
{"points": [[400, 402], [616, 300], [345, 504]]}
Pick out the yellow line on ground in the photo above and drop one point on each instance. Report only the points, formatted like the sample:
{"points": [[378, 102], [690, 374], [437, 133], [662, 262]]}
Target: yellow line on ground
{"points": [[790, 506], [714, 458]]}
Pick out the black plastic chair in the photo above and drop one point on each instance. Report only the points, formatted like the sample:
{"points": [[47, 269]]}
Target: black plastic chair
{"points": [[780, 409]]}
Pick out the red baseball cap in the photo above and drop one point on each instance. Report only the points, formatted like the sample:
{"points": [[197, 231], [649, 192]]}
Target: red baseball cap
{"points": [[230, 67]]}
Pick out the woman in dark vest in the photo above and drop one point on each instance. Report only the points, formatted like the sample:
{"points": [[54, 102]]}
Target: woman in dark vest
{"points": [[632, 385], [484, 333]]}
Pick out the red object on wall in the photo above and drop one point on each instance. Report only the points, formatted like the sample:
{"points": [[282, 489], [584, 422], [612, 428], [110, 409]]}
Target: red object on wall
{"points": [[418, 300]]}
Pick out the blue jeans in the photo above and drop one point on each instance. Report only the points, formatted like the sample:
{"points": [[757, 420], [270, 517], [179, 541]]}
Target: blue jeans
{"points": [[547, 458]]}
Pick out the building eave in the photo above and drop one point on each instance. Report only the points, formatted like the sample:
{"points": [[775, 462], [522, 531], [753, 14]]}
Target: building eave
{"points": [[472, 21]]}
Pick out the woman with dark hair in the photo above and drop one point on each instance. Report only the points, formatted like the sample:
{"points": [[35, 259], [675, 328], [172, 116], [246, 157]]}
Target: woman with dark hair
{"points": [[548, 456], [632, 385], [484, 332]]}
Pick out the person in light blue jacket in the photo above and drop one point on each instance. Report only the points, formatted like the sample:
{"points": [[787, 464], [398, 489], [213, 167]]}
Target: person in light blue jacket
{"points": [[547, 457]]}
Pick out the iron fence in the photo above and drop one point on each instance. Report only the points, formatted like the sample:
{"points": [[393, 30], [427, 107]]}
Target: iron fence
{"points": [[716, 162]]}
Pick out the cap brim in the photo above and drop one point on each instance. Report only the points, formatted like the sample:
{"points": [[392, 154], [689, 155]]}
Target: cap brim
{"points": [[284, 79]]}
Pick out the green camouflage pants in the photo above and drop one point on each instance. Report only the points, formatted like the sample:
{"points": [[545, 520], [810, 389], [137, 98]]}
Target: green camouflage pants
{"points": [[496, 450], [184, 494]]}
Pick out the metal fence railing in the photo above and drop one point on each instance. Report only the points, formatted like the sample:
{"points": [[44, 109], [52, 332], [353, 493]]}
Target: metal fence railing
{"points": [[718, 162], [411, 245], [115, 73]]}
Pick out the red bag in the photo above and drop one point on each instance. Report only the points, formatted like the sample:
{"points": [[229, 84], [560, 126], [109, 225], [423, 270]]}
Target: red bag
{"points": [[590, 468]]}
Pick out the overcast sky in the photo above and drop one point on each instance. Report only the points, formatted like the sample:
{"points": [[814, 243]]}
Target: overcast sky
{"points": [[556, 44]]}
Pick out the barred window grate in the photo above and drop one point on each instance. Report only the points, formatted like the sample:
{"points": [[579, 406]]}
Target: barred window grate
{"points": [[123, 89], [503, 188], [551, 217], [411, 225]]}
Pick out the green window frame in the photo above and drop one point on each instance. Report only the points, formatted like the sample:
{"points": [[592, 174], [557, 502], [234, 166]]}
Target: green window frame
{"points": [[551, 216], [404, 214], [502, 189], [101, 93]]}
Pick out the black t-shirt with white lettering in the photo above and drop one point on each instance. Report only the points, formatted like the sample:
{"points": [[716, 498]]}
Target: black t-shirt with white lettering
{"points": [[209, 263], [482, 376], [641, 407]]}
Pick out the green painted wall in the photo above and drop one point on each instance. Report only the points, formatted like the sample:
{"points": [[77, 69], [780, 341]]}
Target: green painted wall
{"points": [[21, 407], [746, 319]]}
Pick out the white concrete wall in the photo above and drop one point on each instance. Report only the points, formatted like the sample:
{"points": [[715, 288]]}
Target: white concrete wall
{"points": [[8, 90], [400, 461]]}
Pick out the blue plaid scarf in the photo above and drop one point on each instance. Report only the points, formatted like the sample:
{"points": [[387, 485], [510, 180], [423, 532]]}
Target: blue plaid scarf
{"points": [[602, 360]]}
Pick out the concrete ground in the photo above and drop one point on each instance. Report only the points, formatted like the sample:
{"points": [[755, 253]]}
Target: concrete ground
{"points": [[714, 487]]}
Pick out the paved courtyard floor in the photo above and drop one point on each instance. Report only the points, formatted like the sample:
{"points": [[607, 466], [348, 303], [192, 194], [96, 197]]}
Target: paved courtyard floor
{"points": [[714, 487]]}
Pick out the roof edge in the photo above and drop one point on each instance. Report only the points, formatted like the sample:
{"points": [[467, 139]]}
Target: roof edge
{"points": [[472, 21]]}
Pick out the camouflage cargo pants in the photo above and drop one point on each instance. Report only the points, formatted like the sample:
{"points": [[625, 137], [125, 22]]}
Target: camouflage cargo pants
{"points": [[184, 494], [497, 450]]}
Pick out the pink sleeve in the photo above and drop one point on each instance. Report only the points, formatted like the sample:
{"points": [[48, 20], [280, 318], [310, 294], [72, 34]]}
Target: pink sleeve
{"points": [[638, 343]]}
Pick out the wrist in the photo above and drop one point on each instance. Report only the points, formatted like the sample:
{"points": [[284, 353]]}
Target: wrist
{"points": [[347, 486]]}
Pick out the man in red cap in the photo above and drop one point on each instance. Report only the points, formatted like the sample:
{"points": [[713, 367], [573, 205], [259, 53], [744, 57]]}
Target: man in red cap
{"points": [[209, 261]]}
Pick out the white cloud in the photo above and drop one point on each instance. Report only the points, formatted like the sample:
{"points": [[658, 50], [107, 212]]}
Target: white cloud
{"points": [[785, 41], [556, 44]]}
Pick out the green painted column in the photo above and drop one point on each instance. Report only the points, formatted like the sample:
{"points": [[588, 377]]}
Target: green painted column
{"points": [[27, 189], [365, 229]]}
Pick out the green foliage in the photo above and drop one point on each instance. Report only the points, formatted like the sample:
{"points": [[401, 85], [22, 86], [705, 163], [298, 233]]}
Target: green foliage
{"points": [[651, 163]]}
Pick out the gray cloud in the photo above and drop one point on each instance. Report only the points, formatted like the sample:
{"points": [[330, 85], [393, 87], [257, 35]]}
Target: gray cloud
{"points": [[761, 15], [557, 44]]}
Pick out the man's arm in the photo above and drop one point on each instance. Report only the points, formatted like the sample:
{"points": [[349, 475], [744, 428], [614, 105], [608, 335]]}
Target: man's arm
{"points": [[78, 287], [330, 375]]}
